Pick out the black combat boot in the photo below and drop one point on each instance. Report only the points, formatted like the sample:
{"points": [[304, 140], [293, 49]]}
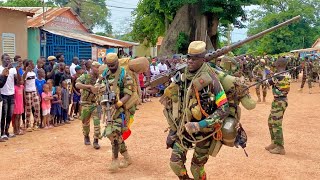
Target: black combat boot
{"points": [[96, 144], [87, 140], [185, 177]]}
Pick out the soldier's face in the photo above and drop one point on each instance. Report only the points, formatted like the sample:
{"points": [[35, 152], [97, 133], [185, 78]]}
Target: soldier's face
{"points": [[113, 66], [194, 63]]}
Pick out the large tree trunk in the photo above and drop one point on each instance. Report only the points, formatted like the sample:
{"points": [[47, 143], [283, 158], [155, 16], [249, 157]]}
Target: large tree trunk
{"points": [[192, 22]]}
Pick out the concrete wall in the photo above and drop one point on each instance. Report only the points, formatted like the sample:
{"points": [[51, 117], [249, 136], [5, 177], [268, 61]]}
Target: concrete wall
{"points": [[15, 22], [33, 44]]}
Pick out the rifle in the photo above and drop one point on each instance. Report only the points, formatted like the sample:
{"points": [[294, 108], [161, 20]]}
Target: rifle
{"points": [[276, 74], [109, 99], [165, 77]]}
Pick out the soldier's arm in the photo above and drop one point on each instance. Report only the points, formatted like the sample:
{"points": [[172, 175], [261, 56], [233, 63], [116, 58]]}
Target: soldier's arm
{"points": [[128, 88], [221, 102], [80, 83]]}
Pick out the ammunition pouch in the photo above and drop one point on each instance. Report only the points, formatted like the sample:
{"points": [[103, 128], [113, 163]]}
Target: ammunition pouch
{"points": [[202, 81], [215, 147]]}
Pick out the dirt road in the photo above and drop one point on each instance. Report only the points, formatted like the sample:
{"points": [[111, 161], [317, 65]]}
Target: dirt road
{"points": [[60, 154]]}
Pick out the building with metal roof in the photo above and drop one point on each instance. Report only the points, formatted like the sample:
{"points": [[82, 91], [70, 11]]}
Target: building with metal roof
{"points": [[55, 30]]}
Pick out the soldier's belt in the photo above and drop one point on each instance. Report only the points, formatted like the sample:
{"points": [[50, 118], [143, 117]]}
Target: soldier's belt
{"points": [[87, 102]]}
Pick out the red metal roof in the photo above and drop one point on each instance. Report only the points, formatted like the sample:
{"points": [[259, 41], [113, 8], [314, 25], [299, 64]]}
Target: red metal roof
{"points": [[28, 13]]}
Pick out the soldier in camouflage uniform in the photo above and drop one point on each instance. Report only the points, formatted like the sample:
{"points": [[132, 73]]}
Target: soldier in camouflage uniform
{"points": [[280, 89], [261, 71], [121, 83], [316, 69], [203, 107], [89, 107], [306, 74]]}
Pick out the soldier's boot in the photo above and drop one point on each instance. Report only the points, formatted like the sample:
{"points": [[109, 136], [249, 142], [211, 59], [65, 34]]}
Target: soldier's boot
{"points": [[87, 140], [300, 90], [126, 161], [259, 99], [114, 166], [184, 177], [96, 144], [270, 147], [310, 90], [278, 150]]}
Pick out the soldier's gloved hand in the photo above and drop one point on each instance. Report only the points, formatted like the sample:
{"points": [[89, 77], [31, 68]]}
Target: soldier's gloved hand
{"points": [[192, 127]]}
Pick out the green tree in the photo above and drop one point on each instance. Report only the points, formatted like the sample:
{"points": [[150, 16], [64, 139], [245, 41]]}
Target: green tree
{"points": [[153, 18], [295, 36], [23, 3]]}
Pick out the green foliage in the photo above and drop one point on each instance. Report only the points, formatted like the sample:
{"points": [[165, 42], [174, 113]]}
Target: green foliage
{"points": [[182, 43], [153, 16], [295, 36], [23, 3]]}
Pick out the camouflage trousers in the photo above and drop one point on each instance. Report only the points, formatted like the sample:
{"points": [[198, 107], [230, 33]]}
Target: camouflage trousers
{"points": [[200, 158], [264, 90], [88, 111], [113, 131], [304, 79], [278, 108]]}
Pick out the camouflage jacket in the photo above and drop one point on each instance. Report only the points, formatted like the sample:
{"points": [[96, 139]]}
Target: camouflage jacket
{"points": [[280, 85], [261, 72], [86, 95]]}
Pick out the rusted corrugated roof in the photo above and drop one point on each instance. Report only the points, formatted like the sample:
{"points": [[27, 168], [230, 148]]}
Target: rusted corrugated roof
{"points": [[122, 43], [87, 37], [316, 44], [28, 13]]}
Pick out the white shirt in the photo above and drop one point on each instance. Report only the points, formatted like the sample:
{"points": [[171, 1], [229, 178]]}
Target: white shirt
{"points": [[30, 82], [73, 69], [154, 70], [163, 67], [8, 88]]}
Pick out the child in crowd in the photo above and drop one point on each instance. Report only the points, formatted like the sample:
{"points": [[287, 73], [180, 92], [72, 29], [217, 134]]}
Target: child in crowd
{"points": [[76, 94], [142, 86], [56, 107], [46, 106], [65, 102], [18, 107], [59, 75], [40, 81]]}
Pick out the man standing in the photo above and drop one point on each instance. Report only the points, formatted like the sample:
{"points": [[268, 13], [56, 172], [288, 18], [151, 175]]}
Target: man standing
{"points": [[280, 89], [154, 69], [40, 65], [121, 84], [261, 71], [88, 103], [7, 93], [197, 124], [75, 62], [50, 68]]}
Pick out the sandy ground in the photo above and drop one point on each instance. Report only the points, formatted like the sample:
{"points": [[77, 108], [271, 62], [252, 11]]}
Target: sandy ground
{"points": [[60, 154]]}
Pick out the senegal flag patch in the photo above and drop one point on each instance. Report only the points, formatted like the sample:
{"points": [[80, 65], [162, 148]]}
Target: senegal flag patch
{"points": [[221, 98]]}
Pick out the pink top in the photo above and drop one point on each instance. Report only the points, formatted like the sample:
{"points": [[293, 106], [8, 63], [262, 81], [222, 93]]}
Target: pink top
{"points": [[45, 104], [18, 99]]}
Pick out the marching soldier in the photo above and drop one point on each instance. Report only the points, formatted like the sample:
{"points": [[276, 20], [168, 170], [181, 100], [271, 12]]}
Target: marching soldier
{"points": [[306, 74], [280, 89], [121, 84], [89, 105], [197, 121], [261, 71]]}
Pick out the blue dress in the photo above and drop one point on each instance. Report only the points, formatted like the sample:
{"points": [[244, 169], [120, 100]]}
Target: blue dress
{"points": [[56, 108]]}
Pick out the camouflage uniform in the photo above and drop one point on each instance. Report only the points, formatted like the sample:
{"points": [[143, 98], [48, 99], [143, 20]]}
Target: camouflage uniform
{"points": [[89, 107], [280, 89], [121, 116], [215, 105], [306, 74], [261, 72]]}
